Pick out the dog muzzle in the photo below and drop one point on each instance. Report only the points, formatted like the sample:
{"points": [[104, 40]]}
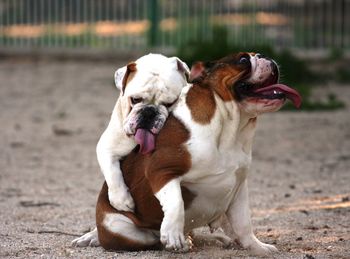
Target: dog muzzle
{"points": [[147, 122]]}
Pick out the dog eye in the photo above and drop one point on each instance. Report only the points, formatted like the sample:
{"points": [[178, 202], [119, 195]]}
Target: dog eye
{"points": [[243, 61], [167, 105], [135, 100]]}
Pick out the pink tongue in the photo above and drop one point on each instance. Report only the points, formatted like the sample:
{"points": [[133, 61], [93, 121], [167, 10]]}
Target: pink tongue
{"points": [[146, 140], [290, 93]]}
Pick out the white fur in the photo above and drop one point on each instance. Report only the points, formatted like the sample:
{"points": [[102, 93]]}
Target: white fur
{"points": [[239, 216], [118, 223], [218, 153], [172, 228]]}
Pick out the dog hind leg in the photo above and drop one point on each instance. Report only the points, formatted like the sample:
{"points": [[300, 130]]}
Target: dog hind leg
{"points": [[88, 239], [216, 236], [118, 232]]}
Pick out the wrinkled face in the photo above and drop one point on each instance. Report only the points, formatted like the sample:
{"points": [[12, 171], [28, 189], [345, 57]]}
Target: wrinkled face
{"points": [[150, 87], [248, 78]]}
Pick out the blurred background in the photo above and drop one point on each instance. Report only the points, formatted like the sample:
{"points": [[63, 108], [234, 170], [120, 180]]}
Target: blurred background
{"points": [[316, 32], [57, 61], [137, 24]]}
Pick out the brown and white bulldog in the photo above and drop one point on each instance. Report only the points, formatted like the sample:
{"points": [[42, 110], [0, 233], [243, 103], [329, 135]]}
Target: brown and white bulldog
{"points": [[198, 171]]}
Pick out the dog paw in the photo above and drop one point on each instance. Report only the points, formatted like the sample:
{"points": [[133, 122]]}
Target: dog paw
{"points": [[89, 239], [175, 242], [121, 200], [260, 248], [220, 236], [226, 241]]}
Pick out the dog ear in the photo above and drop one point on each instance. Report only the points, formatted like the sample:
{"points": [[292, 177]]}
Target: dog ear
{"points": [[122, 74], [183, 68], [197, 72], [118, 77], [200, 69]]}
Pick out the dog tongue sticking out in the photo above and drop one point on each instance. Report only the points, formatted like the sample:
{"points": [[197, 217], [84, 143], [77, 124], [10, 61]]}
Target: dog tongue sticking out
{"points": [[146, 140], [276, 89]]}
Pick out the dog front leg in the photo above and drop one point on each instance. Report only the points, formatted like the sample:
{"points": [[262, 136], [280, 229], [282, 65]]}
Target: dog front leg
{"points": [[238, 214], [172, 227], [108, 158]]}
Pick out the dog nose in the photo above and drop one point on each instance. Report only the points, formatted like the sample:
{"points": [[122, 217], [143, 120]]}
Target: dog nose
{"points": [[274, 65], [149, 112], [275, 70]]}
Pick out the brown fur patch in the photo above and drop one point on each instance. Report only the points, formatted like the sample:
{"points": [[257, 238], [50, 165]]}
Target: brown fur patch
{"points": [[131, 67], [200, 100], [223, 82]]}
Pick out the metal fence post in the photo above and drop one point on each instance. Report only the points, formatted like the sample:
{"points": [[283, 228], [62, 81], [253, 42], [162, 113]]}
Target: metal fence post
{"points": [[153, 17]]}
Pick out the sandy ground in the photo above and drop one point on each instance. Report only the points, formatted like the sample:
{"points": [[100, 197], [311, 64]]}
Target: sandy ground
{"points": [[51, 116]]}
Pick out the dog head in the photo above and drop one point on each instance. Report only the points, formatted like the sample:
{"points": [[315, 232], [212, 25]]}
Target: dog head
{"points": [[149, 87], [250, 79]]}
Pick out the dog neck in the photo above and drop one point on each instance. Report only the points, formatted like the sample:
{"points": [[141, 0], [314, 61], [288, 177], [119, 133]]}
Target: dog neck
{"points": [[238, 129], [246, 132]]}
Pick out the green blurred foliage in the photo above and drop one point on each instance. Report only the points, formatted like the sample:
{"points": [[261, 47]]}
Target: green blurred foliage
{"points": [[342, 75]]}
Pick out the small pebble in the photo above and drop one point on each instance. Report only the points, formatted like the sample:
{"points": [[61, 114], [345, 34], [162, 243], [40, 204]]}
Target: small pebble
{"points": [[308, 256], [305, 212], [292, 186]]}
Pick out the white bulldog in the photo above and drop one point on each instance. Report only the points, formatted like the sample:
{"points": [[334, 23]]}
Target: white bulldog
{"points": [[149, 87]]}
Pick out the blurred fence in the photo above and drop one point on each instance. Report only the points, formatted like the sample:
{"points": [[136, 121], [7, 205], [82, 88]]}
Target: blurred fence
{"points": [[140, 24]]}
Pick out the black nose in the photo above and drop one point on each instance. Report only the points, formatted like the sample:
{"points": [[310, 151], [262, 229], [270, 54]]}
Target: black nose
{"points": [[275, 70], [274, 67], [147, 117], [149, 112]]}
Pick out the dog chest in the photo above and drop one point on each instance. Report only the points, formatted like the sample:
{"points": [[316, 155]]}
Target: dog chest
{"points": [[213, 180], [212, 196]]}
